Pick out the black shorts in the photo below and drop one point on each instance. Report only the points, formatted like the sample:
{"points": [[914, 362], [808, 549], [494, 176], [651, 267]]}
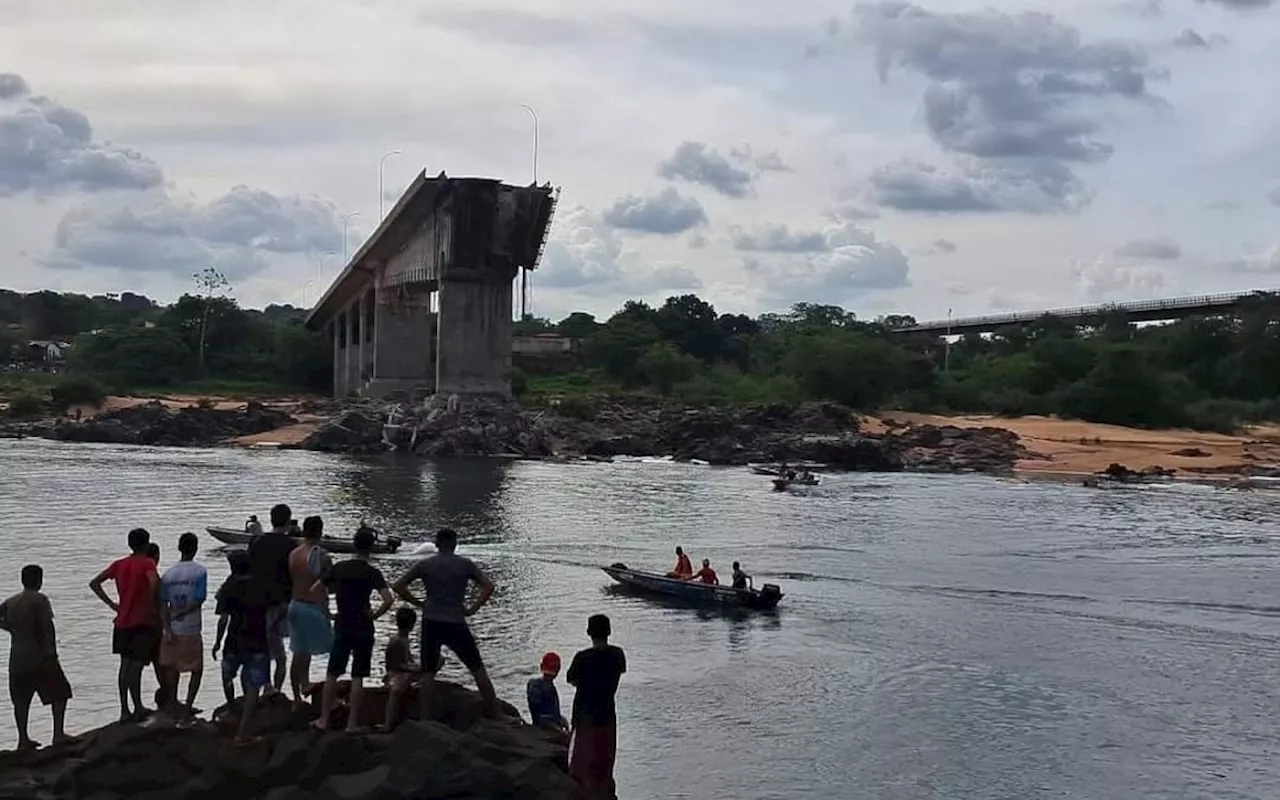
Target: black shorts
{"points": [[454, 635], [354, 647], [136, 644], [48, 680]]}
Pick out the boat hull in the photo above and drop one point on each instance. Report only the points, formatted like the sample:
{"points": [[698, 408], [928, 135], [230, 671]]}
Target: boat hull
{"points": [[695, 592], [237, 538]]}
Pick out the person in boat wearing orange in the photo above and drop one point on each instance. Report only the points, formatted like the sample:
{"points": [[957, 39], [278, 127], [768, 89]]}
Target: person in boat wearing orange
{"points": [[706, 574], [684, 568]]}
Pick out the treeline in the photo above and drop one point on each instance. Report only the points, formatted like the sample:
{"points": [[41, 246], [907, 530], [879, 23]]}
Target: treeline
{"points": [[129, 341], [1210, 373]]}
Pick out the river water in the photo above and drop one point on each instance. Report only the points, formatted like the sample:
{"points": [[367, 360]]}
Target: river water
{"points": [[942, 637]]}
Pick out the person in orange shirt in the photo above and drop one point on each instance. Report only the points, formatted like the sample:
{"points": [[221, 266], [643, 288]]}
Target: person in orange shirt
{"points": [[684, 569], [706, 574]]}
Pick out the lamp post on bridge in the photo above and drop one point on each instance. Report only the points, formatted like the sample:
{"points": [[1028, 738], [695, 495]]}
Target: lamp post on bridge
{"points": [[381, 163], [524, 271], [946, 352], [346, 219]]}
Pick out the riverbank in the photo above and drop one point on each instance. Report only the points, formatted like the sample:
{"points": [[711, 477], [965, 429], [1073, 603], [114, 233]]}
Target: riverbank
{"points": [[602, 429]]}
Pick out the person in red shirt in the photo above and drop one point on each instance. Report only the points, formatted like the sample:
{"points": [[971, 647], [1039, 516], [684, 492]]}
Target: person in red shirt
{"points": [[684, 569], [134, 633], [706, 574]]}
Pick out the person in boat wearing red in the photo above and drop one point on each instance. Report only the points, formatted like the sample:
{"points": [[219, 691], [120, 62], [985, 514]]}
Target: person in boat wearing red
{"points": [[706, 574], [683, 569]]}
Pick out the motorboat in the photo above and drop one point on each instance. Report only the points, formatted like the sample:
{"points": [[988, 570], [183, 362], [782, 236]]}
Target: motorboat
{"points": [[764, 598], [383, 545], [782, 484]]}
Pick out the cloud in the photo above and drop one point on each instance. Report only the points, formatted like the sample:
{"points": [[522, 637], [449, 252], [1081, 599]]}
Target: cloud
{"points": [[1223, 205], [1162, 249], [1103, 278], [1190, 40], [1032, 187], [943, 246], [1241, 5], [697, 241], [667, 212], [851, 262], [46, 147], [1012, 90], [1265, 261], [695, 162], [1274, 195], [585, 254], [765, 162], [158, 233], [777, 238]]}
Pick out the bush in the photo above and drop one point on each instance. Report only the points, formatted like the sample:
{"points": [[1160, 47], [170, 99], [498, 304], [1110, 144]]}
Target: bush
{"points": [[577, 406], [22, 406], [76, 390], [519, 383]]}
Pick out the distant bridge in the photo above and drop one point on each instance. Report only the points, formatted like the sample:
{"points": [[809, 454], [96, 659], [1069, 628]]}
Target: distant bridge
{"points": [[1136, 311]]}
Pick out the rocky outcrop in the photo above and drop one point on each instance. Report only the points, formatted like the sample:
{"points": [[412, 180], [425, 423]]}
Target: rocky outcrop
{"points": [[825, 433], [463, 756], [155, 423]]}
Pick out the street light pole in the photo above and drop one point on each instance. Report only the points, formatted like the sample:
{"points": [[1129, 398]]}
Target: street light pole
{"points": [[382, 161], [946, 357], [345, 220], [524, 271], [320, 265]]}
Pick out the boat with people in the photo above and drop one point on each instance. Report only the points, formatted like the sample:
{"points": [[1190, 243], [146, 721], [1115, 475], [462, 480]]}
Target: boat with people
{"points": [[384, 545], [782, 484], [763, 599]]}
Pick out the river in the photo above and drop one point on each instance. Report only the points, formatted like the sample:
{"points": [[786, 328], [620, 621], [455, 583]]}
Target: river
{"points": [[942, 636]]}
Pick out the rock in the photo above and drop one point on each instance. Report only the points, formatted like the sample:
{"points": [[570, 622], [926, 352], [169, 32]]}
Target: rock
{"points": [[353, 431], [468, 758], [1191, 452], [949, 448], [1119, 472], [156, 424]]}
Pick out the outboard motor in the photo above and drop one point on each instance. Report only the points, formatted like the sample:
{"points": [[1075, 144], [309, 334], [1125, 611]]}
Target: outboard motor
{"points": [[770, 594], [394, 542]]}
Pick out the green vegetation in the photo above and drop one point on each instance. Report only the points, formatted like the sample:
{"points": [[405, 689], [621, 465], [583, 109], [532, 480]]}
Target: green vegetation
{"points": [[1212, 373], [128, 343]]}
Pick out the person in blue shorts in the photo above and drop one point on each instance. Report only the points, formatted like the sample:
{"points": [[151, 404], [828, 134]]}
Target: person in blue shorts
{"points": [[310, 632], [242, 605]]}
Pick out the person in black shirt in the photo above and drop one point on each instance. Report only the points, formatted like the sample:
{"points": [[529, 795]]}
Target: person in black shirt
{"points": [[352, 582], [242, 606], [269, 563], [595, 673]]}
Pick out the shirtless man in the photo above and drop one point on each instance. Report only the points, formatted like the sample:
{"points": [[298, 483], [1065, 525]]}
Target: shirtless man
{"points": [[33, 657], [310, 631]]}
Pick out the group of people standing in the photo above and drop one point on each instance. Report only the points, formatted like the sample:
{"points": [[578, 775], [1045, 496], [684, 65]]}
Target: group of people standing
{"points": [[280, 588]]}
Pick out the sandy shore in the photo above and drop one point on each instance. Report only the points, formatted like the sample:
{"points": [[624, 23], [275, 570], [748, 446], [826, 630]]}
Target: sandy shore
{"points": [[1071, 447]]}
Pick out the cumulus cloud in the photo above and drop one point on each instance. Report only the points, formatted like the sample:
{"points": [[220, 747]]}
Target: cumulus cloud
{"points": [[159, 233], [1012, 90], [1161, 249], [1190, 40], [778, 238], [46, 147], [695, 162], [1037, 187], [585, 254], [1103, 278], [667, 212], [851, 261], [765, 162], [1265, 261], [943, 246]]}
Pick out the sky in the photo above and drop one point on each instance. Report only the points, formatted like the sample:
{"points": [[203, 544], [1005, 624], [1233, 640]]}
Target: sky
{"points": [[888, 157]]}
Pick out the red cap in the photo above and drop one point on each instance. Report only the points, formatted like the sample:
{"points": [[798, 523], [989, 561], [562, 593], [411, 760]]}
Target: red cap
{"points": [[551, 662]]}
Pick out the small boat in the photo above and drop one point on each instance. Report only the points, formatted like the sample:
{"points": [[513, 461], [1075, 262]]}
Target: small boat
{"points": [[385, 545], [759, 470], [764, 598], [782, 484]]}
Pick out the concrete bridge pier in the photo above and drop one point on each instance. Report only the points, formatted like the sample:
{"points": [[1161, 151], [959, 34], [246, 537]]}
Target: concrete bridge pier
{"points": [[474, 345]]}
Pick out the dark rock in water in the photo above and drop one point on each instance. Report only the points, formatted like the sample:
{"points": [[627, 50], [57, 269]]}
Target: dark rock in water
{"points": [[948, 448], [156, 424], [1119, 472], [467, 758], [353, 431]]}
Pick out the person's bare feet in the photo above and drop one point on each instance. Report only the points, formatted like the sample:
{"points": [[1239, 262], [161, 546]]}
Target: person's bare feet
{"points": [[60, 738], [321, 726], [28, 745]]}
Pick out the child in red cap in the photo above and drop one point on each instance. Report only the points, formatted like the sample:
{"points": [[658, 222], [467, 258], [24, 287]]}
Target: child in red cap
{"points": [[544, 699]]}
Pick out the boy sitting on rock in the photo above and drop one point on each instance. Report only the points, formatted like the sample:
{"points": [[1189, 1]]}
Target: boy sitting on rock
{"points": [[402, 673]]}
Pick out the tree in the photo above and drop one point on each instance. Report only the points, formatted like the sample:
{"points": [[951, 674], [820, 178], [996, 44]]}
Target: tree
{"points": [[135, 356], [210, 283], [578, 325], [664, 366]]}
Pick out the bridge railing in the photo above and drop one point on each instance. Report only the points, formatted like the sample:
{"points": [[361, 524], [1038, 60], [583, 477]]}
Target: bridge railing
{"points": [[1076, 312]]}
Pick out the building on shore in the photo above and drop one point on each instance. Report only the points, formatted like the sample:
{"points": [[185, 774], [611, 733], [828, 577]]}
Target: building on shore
{"points": [[426, 303]]}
